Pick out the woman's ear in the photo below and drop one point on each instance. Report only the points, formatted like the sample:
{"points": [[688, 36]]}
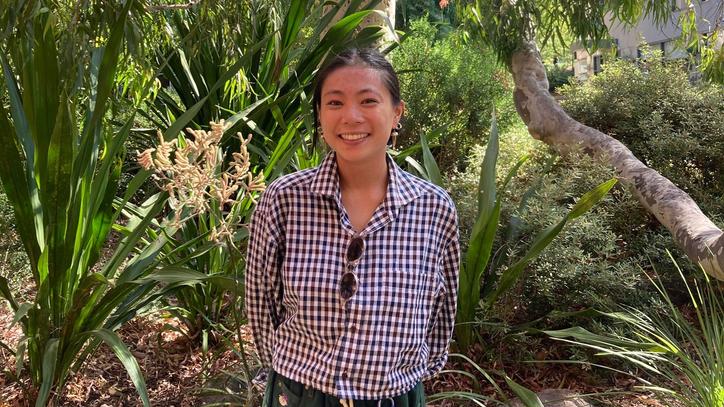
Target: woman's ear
{"points": [[318, 127], [399, 111]]}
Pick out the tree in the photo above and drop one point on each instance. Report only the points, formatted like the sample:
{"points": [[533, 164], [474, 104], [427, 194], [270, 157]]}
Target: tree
{"points": [[384, 15], [511, 27]]}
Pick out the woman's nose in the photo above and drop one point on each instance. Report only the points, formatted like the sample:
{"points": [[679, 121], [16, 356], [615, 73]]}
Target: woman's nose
{"points": [[352, 114]]}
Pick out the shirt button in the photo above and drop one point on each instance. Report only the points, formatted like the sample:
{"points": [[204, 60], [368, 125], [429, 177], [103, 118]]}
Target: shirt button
{"points": [[353, 328], [345, 376]]}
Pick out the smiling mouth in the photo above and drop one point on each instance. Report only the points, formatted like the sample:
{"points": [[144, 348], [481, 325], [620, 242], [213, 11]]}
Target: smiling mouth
{"points": [[353, 136]]}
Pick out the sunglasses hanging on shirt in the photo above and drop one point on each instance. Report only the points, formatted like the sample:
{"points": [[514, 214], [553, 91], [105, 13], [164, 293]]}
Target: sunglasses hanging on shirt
{"points": [[349, 282]]}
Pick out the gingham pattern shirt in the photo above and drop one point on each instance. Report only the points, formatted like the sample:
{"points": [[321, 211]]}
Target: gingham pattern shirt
{"points": [[396, 329]]}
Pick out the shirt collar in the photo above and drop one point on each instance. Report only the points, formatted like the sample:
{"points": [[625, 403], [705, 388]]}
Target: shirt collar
{"points": [[401, 188]]}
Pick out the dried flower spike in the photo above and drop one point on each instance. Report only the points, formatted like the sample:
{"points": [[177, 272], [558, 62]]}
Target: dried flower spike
{"points": [[195, 181]]}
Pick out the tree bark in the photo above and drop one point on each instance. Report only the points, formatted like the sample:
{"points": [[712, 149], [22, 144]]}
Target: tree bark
{"points": [[387, 7], [699, 237]]}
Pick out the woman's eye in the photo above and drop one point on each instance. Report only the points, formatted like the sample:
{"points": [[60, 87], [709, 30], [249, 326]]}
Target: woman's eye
{"points": [[369, 101], [334, 103]]}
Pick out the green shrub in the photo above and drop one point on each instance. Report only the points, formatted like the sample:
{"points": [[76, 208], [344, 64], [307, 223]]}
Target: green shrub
{"points": [[482, 282], [596, 262], [585, 266], [61, 177], [557, 76], [593, 263], [444, 18], [450, 84], [670, 124]]}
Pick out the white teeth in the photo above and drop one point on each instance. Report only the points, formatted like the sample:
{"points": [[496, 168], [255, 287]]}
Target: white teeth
{"points": [[353, 136]]}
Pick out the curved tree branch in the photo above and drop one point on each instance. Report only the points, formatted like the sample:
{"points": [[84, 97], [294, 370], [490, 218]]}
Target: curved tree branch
{"points": [[699, 237]]}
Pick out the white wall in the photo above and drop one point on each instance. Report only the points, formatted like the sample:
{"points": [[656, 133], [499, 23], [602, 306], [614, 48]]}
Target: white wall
{"points": [[647, 30], [629, 39]]}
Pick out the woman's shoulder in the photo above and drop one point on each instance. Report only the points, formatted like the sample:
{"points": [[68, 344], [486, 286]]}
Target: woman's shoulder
{"points": [[429, 190], [291, 181]]}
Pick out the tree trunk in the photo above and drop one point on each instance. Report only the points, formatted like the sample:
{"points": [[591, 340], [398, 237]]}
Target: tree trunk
{"points": [[387, 9], [698, 236]]}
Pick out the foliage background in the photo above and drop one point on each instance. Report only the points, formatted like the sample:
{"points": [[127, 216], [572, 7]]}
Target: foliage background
{"points": [[450, 88], [673, 126], [676, 126]]}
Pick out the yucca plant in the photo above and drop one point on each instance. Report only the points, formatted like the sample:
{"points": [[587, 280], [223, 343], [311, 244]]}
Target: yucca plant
{"points": [[428, 169], [270, 51], [682, 355], [60, 165], [480, 283]]}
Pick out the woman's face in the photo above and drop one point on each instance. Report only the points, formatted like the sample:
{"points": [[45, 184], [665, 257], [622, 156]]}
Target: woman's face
{"points": [[357, 114]]}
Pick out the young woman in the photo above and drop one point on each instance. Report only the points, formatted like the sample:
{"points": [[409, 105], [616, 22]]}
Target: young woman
{"points": [[352, 271]]}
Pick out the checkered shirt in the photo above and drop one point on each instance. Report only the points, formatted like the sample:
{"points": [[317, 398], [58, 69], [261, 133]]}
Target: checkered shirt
{"points": [[396, 328]]}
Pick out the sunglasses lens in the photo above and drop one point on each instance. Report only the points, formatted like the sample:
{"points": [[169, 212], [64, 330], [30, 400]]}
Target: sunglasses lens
{"points": [[355, 249], [349, 282], [348, 285]]}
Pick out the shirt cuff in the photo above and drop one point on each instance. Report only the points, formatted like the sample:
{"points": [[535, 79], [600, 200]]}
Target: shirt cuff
{"points": [[434, 367], [260, 380]]}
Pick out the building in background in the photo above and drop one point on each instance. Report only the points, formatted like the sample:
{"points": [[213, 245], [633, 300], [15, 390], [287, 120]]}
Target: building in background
{"points": [[627, 41]]}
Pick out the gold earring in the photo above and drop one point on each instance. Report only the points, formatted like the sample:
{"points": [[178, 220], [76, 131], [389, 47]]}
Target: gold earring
{"points": [[395, 132]]}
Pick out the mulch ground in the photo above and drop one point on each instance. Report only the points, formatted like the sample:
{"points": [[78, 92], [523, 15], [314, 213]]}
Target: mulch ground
{"points": [[176, 370]]}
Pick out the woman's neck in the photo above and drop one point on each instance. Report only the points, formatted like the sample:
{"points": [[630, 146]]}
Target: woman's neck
{"points": [[361, 177]]}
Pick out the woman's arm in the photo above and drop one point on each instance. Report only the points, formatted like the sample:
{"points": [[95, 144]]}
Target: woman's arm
{"points": [[443, 320], [263, 285]]}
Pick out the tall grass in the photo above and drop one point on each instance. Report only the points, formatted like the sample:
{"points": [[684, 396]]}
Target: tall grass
{"points": [[681, 354]]}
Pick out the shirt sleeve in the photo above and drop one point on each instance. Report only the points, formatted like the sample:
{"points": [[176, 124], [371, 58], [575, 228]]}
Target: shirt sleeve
{"points": [[263, 291], [443, 317]]}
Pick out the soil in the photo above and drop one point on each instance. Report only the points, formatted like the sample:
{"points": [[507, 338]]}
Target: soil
{"points": [[177, 371], [175, 368]]}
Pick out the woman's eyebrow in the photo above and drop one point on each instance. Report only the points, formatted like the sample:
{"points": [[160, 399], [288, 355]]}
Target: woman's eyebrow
{"points": [[361, 91], [370, 90]]}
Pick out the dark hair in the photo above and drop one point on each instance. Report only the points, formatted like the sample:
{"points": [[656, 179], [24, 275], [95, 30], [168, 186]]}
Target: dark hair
{"points": [[365, 57]]}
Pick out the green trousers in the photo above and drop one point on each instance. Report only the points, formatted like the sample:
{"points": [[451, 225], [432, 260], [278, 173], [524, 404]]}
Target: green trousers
{"points": [[284, 392]]}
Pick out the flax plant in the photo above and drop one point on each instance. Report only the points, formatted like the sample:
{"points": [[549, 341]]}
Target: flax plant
{"points": [[194, 180], [60, 165], [209, 205]]}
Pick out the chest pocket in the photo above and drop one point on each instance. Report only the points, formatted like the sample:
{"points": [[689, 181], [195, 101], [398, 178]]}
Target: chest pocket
{"points": [[407, 298]]}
